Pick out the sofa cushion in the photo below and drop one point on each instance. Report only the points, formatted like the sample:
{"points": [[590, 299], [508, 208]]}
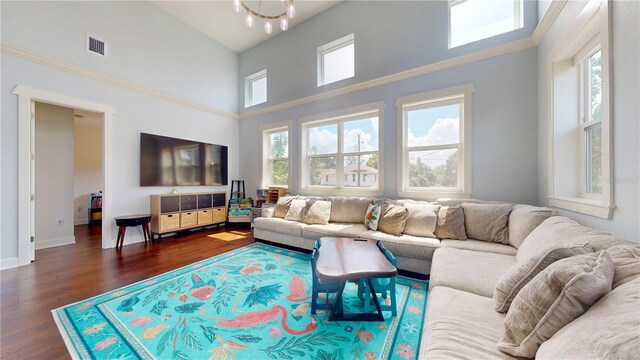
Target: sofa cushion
{"points": [[334, 230], [520, 274], [626, 263], [282, 226], [487, 222], [405, 245], [348, 209], [477, 245], [318, 212], [282, 206], [523, 219], [296, 210], [610, 329], [558, 295], [450, 223], [456, 202], [422, 219], [461, 325], [471, 271], [562, 230], [393, 218], [372, 216]]}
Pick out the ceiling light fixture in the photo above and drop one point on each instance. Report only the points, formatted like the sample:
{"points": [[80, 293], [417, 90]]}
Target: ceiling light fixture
{"points": [[289, 12]]}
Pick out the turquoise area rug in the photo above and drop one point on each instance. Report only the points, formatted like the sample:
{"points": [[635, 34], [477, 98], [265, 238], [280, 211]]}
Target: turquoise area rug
{"points": [[250, 303]]}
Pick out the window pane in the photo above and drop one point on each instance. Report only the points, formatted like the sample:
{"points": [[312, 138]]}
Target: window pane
{"points": [[434, 126], [361, 171], [259, 91], [361, 135], [279, 172], [279, 144], [594, 159], [474, 20], [339, 64], [436, 168], [323, 139], [595, 85], [322, 171]]}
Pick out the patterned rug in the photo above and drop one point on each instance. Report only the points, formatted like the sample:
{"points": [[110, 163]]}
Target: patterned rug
{"points": [[250, 303]]}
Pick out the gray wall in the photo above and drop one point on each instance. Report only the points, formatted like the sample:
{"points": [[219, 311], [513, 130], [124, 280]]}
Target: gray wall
{"points": [[394, 38], [145, 45], [625, 121]]}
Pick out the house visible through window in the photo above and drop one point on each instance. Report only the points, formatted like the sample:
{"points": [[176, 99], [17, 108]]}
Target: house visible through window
{"points": [[336, 60], [256, 88], [473, 20], [276, 159]]}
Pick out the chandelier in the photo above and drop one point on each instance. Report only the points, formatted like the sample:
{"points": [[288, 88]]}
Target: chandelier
{"points": [[288, 12]]}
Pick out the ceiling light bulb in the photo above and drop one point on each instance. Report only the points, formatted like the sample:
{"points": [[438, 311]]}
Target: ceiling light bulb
{"points": [[267, 27], [291, 11], [249, 20], [284, 24], [236, 5]]}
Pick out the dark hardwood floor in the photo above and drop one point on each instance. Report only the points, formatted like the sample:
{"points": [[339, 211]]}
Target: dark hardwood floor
{"points": [[70, 273]]}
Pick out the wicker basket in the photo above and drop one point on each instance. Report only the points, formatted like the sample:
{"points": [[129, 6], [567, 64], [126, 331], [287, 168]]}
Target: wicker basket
{"points": [[205, 216], [219, 215], [169, 222], [188, 219]]}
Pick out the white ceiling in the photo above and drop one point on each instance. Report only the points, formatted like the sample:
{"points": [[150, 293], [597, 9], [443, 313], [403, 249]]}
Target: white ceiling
{"points": [[218, 20]]}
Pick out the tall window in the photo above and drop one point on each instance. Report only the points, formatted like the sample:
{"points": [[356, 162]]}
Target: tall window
{"points": [[276, 157], [473, 20], [336, 60], [590, 69], [255, 88], [435, 159], [341, 151]]}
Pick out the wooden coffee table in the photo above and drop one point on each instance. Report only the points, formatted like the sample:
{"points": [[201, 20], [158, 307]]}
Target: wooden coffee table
{"points": [[344, 259]]}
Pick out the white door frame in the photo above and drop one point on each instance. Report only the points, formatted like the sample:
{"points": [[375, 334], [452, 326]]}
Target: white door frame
{"points": [[25, 96]]}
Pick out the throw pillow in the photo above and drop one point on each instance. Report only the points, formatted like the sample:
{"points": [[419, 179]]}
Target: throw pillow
{"points": [[282, 206], [422, 219], [487, 222], [393, 219], [520, 274], [450, 223], [372, 216], [318, 213], [626, 262], [296, 210], [523, 219], [555, 297], [348, 209]]}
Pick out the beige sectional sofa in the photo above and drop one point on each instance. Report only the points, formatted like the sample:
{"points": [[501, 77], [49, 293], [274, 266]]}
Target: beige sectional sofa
{"points": [[462, 320]]}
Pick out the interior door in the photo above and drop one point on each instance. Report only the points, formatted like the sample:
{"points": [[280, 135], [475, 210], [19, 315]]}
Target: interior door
{"points": [[32, 179]]}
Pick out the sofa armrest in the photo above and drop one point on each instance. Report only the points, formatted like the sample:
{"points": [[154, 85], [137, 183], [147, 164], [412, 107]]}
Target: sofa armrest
{"points": [[267, 212]]}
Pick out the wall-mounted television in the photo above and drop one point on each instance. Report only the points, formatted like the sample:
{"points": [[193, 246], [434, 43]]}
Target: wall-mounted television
{"points": [[166, 161]]}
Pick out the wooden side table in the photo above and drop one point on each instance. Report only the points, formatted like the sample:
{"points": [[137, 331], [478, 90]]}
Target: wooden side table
{"points": [[132, 220]]}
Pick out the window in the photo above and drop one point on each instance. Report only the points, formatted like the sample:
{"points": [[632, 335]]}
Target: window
{"points": [[275, 167], [336, 60], [473, 20], [255, 88], [434, 158], [580, 168], [340, 149]]}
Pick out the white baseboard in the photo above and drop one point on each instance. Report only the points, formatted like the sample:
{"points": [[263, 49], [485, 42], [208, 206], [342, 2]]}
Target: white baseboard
{"points": [[80, 222], [43, 244], [8, 263]]}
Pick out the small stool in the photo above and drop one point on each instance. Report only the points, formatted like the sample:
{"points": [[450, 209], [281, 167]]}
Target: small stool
{"points": [[132, 220]]}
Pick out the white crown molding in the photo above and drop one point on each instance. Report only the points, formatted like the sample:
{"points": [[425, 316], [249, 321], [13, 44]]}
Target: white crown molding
{"points": [[78, 70], [499, 50], [547, 20]]}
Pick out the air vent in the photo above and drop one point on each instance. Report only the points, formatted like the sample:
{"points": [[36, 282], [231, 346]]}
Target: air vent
{"points": [[96, 46]]}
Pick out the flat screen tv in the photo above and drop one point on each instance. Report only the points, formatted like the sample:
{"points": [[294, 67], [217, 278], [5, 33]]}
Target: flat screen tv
{"points": [[166, 161]]}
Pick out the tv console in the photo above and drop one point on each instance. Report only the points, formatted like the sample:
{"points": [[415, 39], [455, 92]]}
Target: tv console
{"points": [[172, 213]]}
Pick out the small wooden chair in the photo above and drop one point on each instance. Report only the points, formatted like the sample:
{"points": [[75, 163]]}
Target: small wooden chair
{"points": [[384, 286], [319, 287]]}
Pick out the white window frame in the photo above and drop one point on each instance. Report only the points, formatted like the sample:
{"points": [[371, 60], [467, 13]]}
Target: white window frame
{"points": [[518, 19], [340, 117], [265, 170], [589, 32], [331, 47], [457, 94], [248, 87]]}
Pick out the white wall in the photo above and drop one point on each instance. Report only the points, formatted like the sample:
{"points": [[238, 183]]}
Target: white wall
{"points": [[87, 171], [625, 122], [146, 45], [54, 179]]}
